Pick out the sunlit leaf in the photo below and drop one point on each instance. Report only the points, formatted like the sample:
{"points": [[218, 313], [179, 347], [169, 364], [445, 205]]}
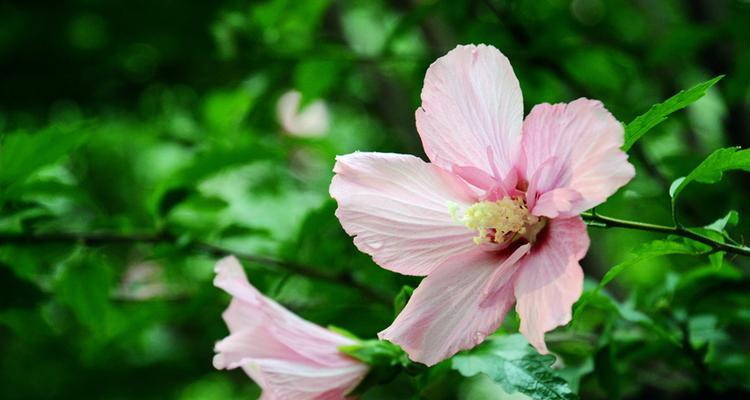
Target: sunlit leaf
{"points": [[647, 251], [659, 112], [22, 154]]}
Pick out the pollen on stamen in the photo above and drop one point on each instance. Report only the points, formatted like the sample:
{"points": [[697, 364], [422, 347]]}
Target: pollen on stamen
{"points": [[493, 220]]}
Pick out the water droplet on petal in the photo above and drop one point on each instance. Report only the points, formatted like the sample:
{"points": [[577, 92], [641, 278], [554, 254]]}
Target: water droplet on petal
{"points": [[478, 337], [376, 245]]}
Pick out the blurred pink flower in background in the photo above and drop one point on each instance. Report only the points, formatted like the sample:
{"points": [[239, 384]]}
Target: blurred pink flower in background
{"points": [[311, 121], [143, 281], [493, 219], [288, 357]]}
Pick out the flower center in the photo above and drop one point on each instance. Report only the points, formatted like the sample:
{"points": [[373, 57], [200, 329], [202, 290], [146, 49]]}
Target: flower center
{"points": [[502, 220]]}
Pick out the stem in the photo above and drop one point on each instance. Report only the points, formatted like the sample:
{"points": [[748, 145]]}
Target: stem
{"points": [[103, 238], [602, 221]]}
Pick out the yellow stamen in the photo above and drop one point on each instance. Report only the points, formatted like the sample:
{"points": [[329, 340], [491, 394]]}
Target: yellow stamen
{"points": [[503, 216]]}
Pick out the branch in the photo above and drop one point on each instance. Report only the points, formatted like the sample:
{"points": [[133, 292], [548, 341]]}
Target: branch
{"points": [[602, 221], [103, 238]]}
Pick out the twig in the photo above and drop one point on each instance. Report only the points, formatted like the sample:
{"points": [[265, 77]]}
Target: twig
{"points": [[602, 221]]}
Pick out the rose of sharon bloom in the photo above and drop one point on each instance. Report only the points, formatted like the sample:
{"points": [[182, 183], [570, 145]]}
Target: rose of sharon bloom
{"points": [[493, 218], [288, 357], [312, 121]]}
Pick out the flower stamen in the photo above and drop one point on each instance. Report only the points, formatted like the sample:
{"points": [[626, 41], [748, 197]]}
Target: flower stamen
{"points": [[498, 221]]}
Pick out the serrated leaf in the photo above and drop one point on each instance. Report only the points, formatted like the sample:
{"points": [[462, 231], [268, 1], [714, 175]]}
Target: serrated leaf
{"points": [[512, 363], [659, 112]]}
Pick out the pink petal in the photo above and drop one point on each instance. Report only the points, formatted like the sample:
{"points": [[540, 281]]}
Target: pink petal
{"points": [[456, 306], [399, 209], [282, 380], [574, 146], [250, 308], [472, 110], [550, 279], [284, 354], [557, 202]]}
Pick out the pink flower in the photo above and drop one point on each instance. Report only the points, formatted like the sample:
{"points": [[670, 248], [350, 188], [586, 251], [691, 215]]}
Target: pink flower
{"points": [[312, 121], [493, 219], [288, 357]]}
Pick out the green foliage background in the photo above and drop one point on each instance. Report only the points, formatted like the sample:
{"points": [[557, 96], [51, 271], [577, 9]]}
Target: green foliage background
{"points": [[139, 144]]}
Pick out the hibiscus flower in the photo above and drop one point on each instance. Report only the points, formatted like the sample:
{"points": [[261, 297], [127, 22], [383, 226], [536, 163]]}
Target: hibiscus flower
{"points": [[493, 218], [288, 357]]}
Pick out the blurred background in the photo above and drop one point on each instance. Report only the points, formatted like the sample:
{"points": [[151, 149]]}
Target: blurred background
{"points": [[143, 140]]}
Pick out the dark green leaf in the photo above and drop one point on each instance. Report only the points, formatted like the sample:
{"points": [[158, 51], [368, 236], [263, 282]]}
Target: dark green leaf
{"points": [[607, 373], [511, 362], [659, 112]]}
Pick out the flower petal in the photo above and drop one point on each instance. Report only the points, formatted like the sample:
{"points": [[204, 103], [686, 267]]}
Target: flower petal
{"points": [[261, 328], [472, 110], [282, 380], [550, 279], [454, 308], [312, 121], [574, 146], [399, 209]]}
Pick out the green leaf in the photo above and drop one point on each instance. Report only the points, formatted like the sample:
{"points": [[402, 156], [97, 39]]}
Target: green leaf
{"points": [[720, 225], [343, 332], [386, 360], [659, 112], [647, 251], [314, 78], [23, 154], [403, 296], [626, 312], [712, 168], [511, 362], [84, 285], [224, 110], [607, 372], [376, 353], [644, 252]]}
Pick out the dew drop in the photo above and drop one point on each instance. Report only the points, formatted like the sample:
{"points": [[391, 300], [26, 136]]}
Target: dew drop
{"points": [[376, 245]]}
